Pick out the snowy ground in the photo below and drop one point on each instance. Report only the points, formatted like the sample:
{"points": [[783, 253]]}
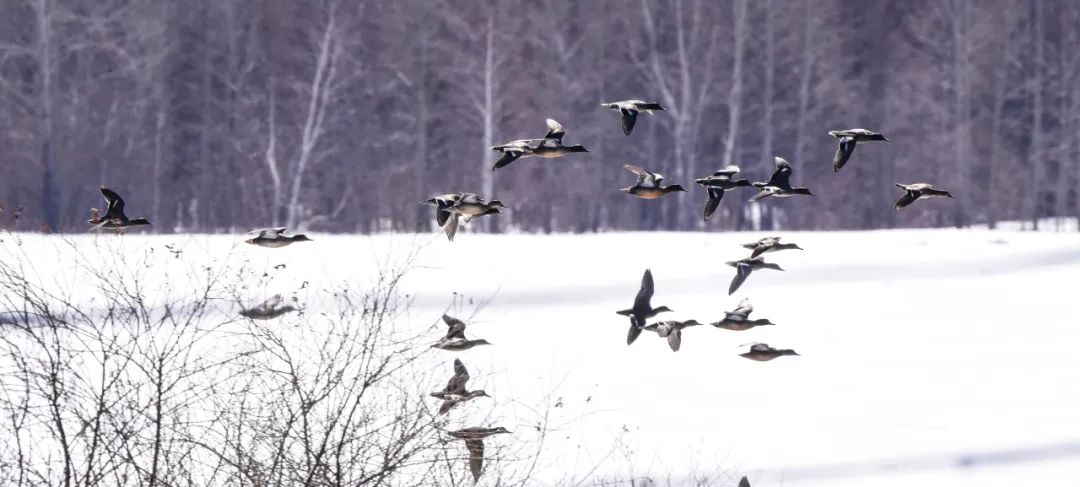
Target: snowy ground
{"points": [[929, 357]]}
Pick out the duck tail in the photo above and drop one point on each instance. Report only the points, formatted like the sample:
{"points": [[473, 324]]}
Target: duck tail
{"points": [[625, 312]]}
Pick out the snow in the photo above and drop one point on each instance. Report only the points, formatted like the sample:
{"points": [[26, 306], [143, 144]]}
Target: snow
{"points": [[918, 347]]}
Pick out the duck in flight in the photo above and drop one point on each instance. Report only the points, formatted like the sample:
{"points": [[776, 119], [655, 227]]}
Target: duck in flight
{"points": [[449, 207], [474, 441], [768, 244], [455, 340], [916, 191], [739, 318], [629, 110], [455, 393], [719, 182], [114, 218], [274, 238], [848, 139], [648, 184], [548, 147], [268, 310], [779, 185], [672, 330], [744, 267], [763, 353], [642, 309]]}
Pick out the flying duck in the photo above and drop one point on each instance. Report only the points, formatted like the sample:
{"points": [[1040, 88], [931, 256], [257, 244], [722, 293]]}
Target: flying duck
{"points": [[848, 139], [268, 309], [764, 353], [274, 238], [779, 185], [716, 184], [672, 330], [629, 110], [455, 340], [648, 184], [455, 393], [474, 441], [739, 318], [744, 267], [548, 147], [918, 191], [642, 309], [449, 207], [114, 218], [769, 244]]}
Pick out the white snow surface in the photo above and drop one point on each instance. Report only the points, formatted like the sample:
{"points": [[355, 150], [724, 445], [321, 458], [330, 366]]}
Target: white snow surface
{"points": [[919, 348]]}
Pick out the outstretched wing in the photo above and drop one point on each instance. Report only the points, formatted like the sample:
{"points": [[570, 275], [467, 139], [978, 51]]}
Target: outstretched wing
{"points": [[645, 292], [456, 385], [457, 327], [711, 204], [743, 482], [629, 118], [908, 198], [476, 457], [508, 157], [742, 271], [781, 177], [674, 339], [635, 331], [843, 152], [115, 202], [451, 226]]}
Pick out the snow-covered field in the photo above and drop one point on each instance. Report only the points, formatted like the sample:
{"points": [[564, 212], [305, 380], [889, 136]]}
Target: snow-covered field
{"points": [[929, 357]]}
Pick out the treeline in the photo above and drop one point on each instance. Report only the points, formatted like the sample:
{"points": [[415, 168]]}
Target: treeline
{"points": [[221, 115]]}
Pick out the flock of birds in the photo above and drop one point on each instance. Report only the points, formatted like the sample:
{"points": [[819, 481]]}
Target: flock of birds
{"points": [[451, 207]]}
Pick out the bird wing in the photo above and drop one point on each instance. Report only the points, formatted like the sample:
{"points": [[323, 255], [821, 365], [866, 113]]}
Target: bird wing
{"points": [[629, 118], [711, 204], [476, 457], [743, 482], [115, 203], [456, 385], [674, 339], [644, 294], [441, 216], [271, 302], [555, 130], [645, 178], [451, 225], [635, 331], [508, 157], [742, 271], [727, 171], [908, 198], [457, 327], [843, 152], [781, 178], [744, 309], [764, 193]]}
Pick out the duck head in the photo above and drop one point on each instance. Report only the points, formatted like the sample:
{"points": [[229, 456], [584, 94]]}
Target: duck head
{"points": [[576, 148], [479, 393], [499, 429], [300, 238], [879, 137], [662, 309], [497, 204]]}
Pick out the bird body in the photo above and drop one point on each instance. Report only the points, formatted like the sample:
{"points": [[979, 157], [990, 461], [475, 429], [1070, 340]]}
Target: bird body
{"points": [[549, 147], [268, 309], [916, 191], [648, 184], [455, 340], [672, 330], [274, 238], [642, 309], [769, 244], [779, 184], [629, 109], [846, 145], [763, 353], [716, 184], [115, 218], [739, 318], [474, 441], [744, 267], [455, 393]]}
